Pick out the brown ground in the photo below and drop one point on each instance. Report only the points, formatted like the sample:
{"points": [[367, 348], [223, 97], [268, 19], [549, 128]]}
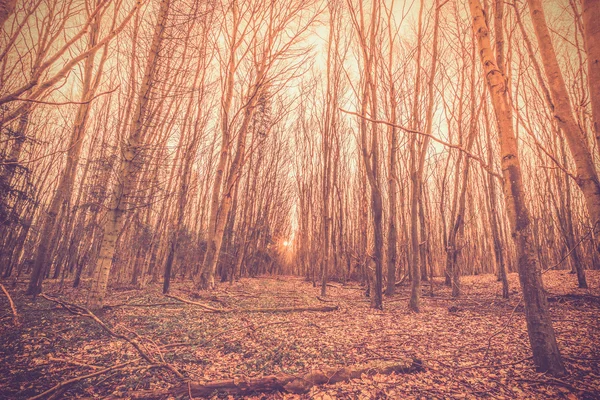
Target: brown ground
{"points": [[480, 349]]}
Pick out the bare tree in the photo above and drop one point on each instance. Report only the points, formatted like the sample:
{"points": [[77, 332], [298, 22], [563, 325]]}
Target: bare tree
{"points": [[539, 324]]}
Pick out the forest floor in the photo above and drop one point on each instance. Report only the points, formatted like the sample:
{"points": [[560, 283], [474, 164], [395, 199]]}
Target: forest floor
{"points": [[471, 347]]}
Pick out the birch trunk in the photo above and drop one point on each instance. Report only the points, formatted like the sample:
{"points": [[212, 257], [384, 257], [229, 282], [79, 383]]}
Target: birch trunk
{"points": [[591, 30], [415, 271], [392, 244], [587, 178], [546, 355], [129, 168], [207, 276]]}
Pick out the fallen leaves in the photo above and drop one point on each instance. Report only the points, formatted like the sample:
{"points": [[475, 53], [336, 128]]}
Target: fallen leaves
{"points": [[478, 351]]}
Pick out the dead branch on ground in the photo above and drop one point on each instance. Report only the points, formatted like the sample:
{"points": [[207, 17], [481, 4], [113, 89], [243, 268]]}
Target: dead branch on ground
{"points": [[12, 305], [282, 382]]}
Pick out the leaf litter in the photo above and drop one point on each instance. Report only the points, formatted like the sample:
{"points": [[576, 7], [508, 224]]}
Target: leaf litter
{"points": [[475, 346]]}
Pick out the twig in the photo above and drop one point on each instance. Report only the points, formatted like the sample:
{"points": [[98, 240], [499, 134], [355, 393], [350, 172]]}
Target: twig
{"points": [[569, 253], [87, 313], [501, 329], [255, 310], [435, 139], [64, 103], [80, 378], [109, 306], [494, 365], [324, 300], [12, 305], [205, 306], [79, 364]]}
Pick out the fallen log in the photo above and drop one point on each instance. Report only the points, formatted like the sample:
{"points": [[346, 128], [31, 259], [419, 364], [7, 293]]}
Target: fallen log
{"points": [[297, 384]]}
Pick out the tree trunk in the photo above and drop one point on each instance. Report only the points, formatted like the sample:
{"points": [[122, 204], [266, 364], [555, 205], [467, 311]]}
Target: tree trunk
{"points": [[416, 180], [7, 7], [591, 28], [60, 204], [546, 355], [207, 277], [494, 209], [586, 175], [129, 168]]}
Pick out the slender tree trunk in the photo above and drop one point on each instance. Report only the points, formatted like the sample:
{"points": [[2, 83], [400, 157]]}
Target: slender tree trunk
{"points": [[207, 277], [546, 355], [587, 177], [591, 29], [494, 209], [205, 280], [392, 244], [129, 168], [416, 180], [7, 7], [60, 204]]}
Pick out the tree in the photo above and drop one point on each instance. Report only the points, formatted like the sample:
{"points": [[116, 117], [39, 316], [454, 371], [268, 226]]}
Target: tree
{"points": [[591, 15], [587, 177], [7, 7], [122, 197], [546, 355], [59, 206]]}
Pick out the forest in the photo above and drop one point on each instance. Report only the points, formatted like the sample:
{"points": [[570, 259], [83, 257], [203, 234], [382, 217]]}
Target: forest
{"points": [[299, 199]]}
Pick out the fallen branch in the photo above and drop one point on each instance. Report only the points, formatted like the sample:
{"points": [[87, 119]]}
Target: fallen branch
{"points": [[80, 378], [492, 366], [74, 308], [499, 331], [73, 362], [557, 298], [195, 303], [324, 300], [288, 309], [109, 306], [281, 382], [12, 305], [256, 310]]}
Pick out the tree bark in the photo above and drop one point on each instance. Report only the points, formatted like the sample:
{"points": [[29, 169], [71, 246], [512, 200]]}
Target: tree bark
{"points": [[62, 197], [587, 178], [7, 7], [416, 180], [546, 355], [129, 168], [591, 29]]}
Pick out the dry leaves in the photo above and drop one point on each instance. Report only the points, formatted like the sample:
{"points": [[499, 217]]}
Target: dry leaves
{"points": [[481, 350]]}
